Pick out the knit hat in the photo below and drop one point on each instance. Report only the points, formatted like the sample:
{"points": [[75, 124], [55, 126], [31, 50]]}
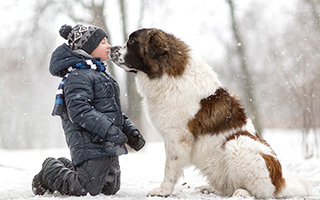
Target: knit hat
{"points": [[82, 37]]}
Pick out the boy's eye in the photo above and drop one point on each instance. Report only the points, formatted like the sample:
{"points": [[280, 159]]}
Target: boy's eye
{"points": [[104, 41]]}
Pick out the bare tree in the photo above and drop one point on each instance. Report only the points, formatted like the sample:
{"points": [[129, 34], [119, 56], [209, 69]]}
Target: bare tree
{"points": [[24, 76], [134, 106], [296, 60], [246, 76], [305, 86]]}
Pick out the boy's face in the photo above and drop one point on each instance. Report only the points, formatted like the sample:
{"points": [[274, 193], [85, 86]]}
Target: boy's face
{"points": [[102, 51]]}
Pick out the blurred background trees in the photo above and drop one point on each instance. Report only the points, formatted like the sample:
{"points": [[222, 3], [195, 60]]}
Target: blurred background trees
{"points": [[267, 52]]}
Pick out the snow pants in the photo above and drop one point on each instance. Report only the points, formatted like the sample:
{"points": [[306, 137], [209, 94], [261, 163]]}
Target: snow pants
{"points": [[100, 175]]}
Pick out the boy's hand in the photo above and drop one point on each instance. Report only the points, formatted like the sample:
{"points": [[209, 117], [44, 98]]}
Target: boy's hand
{"points": [[116, 136], [136, 140]]}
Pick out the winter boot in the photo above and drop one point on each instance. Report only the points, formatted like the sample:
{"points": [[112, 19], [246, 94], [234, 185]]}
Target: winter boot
{"points": [[38, 185], [66, 162], [60, 178]]}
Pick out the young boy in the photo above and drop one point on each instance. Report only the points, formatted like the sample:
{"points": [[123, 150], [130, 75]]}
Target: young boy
{"points": [[95, 127]]}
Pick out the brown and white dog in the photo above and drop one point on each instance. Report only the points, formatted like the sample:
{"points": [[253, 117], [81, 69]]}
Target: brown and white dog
{"points": [[201, 122]]}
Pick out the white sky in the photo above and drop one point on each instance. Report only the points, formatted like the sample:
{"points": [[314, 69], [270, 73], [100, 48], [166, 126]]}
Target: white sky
{"points": [[204, 25], [187, 19]]}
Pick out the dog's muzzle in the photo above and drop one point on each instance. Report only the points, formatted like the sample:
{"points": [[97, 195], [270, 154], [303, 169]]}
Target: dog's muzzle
{"points": [[117, 54]]}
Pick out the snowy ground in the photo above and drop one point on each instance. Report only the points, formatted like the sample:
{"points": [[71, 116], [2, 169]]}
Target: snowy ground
{"points": [[143, 171]]}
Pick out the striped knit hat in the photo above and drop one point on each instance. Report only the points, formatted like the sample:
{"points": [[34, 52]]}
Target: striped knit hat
{"points": [[82, 37]]}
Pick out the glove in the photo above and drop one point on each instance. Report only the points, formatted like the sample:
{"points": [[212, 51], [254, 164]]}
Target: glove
{"points": [[97, 139], [135, 140], [116, 136]]}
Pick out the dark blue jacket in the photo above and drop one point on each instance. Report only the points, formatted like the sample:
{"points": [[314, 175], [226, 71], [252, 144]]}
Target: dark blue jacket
{"points": [[94, 124]]}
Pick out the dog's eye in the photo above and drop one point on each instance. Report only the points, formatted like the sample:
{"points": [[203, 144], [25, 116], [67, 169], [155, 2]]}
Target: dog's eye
{"points": [[131, 42]]}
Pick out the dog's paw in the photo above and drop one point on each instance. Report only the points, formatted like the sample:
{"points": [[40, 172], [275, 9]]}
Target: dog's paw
{"points": [[206, 189], [161, 192], [241, 193]]}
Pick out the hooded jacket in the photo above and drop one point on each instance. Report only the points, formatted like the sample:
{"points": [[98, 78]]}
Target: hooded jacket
{"points": [[94, 124]]}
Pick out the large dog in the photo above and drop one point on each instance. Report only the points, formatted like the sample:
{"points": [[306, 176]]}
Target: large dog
{"points": [[201, 122]]}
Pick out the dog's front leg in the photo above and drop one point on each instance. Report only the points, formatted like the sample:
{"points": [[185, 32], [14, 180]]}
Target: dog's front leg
{"points": [[178, 153]]}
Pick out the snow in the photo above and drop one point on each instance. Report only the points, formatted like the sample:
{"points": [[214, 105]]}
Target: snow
{"points": [[144, 171]]}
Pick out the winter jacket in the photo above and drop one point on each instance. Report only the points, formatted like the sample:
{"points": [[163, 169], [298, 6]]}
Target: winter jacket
{"points": [[94, 124]]}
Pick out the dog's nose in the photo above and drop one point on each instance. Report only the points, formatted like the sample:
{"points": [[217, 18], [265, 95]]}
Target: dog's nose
{"points": [[114, 49], [114, 52]]}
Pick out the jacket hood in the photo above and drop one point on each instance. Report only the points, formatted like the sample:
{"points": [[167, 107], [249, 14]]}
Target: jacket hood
{"points": [[62, 58]]}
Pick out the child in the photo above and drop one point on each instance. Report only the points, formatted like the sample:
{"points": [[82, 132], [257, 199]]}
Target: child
{"points": [[95, 127]]}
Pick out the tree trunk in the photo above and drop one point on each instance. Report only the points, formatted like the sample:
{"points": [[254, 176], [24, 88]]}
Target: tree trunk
{"points": [[134, 106], [248, 83]]}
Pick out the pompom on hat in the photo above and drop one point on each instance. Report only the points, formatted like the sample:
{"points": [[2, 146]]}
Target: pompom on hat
{"points": [[82, 37]]}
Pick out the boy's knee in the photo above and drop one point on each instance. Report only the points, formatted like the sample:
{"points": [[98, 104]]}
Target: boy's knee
{"points": [[112, 185], [94, 188], [110, 189], [94, 192]]}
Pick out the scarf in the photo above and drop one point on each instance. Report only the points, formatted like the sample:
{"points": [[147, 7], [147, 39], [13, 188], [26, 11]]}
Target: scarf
{"points": [[59, 105]]}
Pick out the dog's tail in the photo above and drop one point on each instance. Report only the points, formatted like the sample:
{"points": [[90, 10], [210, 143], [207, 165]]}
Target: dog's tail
{"points": [[295, 186]]}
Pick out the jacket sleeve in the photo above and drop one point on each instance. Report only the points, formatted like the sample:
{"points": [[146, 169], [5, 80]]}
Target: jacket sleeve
{"points": [[78, 94], [128, 125]]}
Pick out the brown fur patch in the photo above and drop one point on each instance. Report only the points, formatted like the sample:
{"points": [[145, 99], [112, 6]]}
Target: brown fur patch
{"points": [[245, 133], [275, 172], [272, 163], [219, 112], [163, 53]]}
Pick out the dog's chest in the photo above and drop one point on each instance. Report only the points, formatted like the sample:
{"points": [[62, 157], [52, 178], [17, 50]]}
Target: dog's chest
{"points": [[165, 113], [167, 102]]}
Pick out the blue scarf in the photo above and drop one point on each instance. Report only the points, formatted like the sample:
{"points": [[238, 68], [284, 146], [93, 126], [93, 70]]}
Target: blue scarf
{"points": [[59, 105]]}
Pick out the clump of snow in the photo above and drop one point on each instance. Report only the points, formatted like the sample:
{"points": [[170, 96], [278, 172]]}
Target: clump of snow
{"points": [[144, 171]]}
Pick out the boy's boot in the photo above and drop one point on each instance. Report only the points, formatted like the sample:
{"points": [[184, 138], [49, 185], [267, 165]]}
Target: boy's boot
{"points": [[58, 177], [38, 185], [66, 162]]}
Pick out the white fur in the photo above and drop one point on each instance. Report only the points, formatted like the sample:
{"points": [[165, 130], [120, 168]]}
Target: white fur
{"points": [[296, 186], [120, 53], [232, 168]]}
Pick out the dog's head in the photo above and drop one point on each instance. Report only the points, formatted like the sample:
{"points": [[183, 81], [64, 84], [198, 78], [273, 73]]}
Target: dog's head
{"points": [[152, 51]]}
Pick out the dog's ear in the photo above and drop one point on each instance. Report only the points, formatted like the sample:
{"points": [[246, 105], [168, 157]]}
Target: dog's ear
{"points": [[158, 45]]}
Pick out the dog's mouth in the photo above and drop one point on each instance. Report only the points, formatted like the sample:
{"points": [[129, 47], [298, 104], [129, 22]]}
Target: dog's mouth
{"points": [[127, 67], [133, 71]]}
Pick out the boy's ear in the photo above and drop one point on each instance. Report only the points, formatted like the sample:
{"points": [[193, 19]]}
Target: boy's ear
{"points": [[157, 45]]}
